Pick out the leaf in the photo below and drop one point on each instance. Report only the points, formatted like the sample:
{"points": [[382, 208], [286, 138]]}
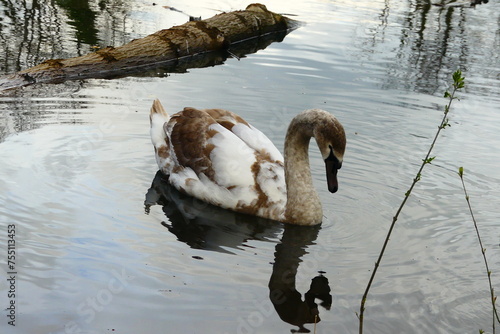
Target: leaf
{"points": [[458, 79], [428, 160], [461, 171]]}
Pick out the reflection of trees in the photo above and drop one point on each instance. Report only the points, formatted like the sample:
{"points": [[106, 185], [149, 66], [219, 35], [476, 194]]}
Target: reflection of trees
{"points": [[430, 46], [82, 18], [33, 31], [28, 110], [434, 40], [29, 31]]}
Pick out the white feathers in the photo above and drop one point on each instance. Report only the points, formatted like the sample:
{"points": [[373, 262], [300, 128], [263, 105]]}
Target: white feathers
{"points": [[231, 158], [158, 117], [157, 134], [256, 140], [244, 170], [216, 156]]}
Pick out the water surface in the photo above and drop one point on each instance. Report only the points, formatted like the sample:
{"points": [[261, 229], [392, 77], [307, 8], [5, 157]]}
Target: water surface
{"points": [[77, 167]]}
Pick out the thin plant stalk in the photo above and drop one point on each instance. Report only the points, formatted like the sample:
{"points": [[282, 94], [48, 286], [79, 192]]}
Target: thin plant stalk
{"points": [[458, 83], [483, 250]]}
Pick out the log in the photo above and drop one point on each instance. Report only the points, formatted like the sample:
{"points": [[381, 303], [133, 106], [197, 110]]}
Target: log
{"points": [[189, 40]]}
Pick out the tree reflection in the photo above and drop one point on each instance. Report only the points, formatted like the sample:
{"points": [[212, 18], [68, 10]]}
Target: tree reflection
{"points": [[32, 109], [203, 226], [82, 18], [28, 31], [33, 31], [427, 33], [434, 41]]}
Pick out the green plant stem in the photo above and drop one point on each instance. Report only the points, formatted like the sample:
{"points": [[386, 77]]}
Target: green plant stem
{"points": [[483, 250], [457, 84]]}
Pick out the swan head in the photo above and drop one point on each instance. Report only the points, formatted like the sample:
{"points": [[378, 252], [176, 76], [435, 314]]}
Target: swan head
{"points": [[330, 137]]}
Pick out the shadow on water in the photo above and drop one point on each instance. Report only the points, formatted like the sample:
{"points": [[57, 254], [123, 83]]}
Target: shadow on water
{"points": [[203, 226]]}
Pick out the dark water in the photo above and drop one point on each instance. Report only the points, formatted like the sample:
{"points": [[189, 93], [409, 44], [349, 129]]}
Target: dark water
{"points": [[77, 167]]}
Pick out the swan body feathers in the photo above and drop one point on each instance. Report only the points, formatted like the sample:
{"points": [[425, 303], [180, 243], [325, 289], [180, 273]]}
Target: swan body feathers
{"points": [[215, 156]]}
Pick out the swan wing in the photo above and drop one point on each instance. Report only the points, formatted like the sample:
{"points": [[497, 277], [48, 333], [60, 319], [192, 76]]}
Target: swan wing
{"points": [[215, 165], [252, 136]]}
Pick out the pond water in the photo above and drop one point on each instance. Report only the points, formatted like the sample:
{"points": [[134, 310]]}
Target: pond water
{"points": [[102, 245]]}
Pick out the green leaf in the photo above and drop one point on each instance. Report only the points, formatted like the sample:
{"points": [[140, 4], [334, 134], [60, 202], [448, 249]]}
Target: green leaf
{"points": [[428, 160], [458, 80], [461, 171], [445, 123], [447, 94]]}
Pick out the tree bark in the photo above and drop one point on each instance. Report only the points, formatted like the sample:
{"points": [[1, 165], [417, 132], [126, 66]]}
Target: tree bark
{"points": [[177, 43]]}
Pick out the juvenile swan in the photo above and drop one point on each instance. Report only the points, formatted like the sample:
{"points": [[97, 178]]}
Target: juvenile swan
{"points": [[217, 157]]}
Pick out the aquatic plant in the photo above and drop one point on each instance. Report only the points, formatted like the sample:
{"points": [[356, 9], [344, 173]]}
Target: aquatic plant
{"points": [[483, 252], [458, 83]]}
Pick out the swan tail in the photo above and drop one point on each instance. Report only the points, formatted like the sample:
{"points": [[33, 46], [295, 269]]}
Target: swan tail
{"points": [[158, 117]]}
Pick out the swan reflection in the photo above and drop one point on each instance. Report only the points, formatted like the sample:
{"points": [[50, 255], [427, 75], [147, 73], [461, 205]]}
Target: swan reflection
{"points": [[287, 301], [203, 226]]}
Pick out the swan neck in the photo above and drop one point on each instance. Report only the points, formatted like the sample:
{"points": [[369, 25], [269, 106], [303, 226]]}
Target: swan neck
{"points": [[303, 203]]}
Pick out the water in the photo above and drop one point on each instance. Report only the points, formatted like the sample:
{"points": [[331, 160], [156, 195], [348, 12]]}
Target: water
{"points": [[77, 167]]}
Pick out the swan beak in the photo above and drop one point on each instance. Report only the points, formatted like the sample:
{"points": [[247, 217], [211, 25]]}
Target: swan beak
{"points": [[331, 175]]}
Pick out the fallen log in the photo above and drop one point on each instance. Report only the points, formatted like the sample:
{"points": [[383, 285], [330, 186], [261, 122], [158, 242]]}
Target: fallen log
{"points": [[177, 44]]}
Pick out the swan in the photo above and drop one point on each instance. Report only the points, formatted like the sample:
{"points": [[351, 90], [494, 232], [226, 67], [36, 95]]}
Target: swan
{"points": [[215, 156]]}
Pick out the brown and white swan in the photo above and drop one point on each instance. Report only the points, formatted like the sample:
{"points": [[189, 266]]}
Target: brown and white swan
{"points": [[216, 156]]}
